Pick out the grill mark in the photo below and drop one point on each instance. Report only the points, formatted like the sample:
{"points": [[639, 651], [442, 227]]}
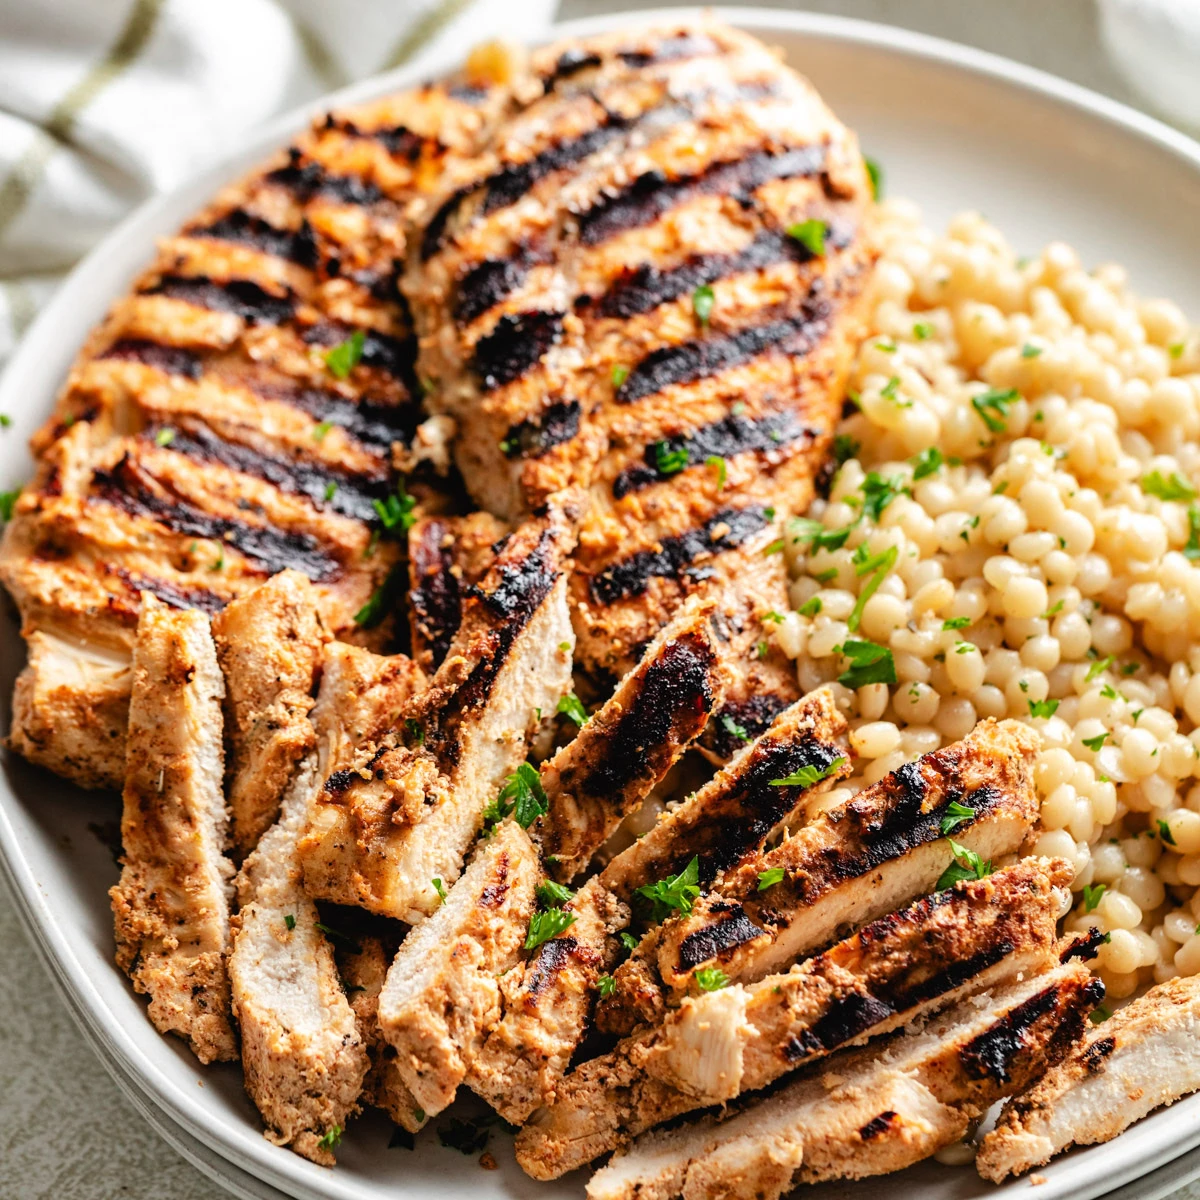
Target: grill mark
{"points": [[1085, 947], [273, 549], [754, 714], [468, 93], [397, 140], [436, 597], [295, 476], [555, 955], [1093, 1057], [172, 593], [395, 356], [308, 179], [672, 49], [727, 438], [173, 360], [570, 62], [489, 282], [676, 690], [522, 586], [242, 297], [877, 1126], [515, 346], [690, 362], [555, 424], [631, 576], [295, 245], [730, 931], [653, 194], [846, 1017]]}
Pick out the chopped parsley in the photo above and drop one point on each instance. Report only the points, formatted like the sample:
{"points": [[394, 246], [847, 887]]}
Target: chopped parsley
{"points": [[927, 463], [711, 979], [1092, 894], [620, 373], [878, 493], [1042, 708], [845, 447], [675, 893], [875, 175], [1192, 550], [717, 462], [337, 936], [413, 732], [923, 331], [810, 607], [521, 796], [571, 706], [1168, 487], [732, 728], [330, 1139], [1176, 349], [807, 776], [668, 461], [565, 647], [320, 430], [8, 502], [547, 924], [966, 864], [396, 512], [164, 437], [881, 564], [955, 815], [330, 490], [869, 663], [290, 922], [1099, 1015], [550, 893], [774, 617], [344, 357], [887, 345], [776, 547], [1054, 609], [1098, 667], [810, 234], [379, 604], [992, 407], [440, 888], [607, 985], [5, 421], [1164, 832], [769, 878], [805, 529], [629, 942], [703, 299], [1096, 742], [1029, 350], [956, 623]]}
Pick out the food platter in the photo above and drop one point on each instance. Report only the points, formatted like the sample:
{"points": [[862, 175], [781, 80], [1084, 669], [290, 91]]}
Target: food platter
{"points": [[953, 129]]}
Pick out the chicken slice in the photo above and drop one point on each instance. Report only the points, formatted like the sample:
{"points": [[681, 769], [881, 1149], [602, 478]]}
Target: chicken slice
{"points": [[269, 645], [629, 745], [870, 1112], [742, 1038], [845, 867], [547, 1004], [446, 555], [71, 709], [1145, 1056], [733, 815], [363, 968], [171, 907], [405, 814], [303, 1053], [442, 995]]}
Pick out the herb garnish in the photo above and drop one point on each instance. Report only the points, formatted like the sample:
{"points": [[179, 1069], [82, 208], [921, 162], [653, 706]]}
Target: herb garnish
{"points": [[869, 663], [769, 878], [992, 407], [703, 299], [521, 795], [711, 979], [715, 460], [547, 924], [440, 888], [571, 706], [396, 512], [1042, 708], [330, 1139], [607, 985], [966, 864], [668, 461], [550, 893], [955, 815], [1092, 893], [810, 607], [927, 463], [881, 564], [1168, 487], [806, 776], [810, 234], [165, 436], [675, 893], [344, 357]]}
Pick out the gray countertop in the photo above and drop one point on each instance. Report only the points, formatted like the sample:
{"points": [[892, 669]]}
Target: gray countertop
{"points": [[66, 1132]]}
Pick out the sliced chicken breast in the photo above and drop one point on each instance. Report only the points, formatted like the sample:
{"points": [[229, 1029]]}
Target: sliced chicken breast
{"points": [[870, 1112], [723, 1043], [442, 994], [404, 814], [269, 645], [847, 866], [171, 907], [1143, 1057], [628, 746]]}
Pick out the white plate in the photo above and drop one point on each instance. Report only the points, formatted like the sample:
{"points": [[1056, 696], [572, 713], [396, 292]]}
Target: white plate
{"points": [[954, 129]]}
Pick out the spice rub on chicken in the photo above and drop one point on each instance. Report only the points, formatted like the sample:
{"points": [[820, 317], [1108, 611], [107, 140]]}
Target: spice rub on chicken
{"points": [[875, 1110], [648, 283], [407, 809], [171, 906], [736, 1039], [242, 411], [1144, 1056], [846, 866]]}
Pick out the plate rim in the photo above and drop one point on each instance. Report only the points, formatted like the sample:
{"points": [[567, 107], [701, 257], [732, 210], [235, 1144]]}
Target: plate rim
{"points": [[246, 1149]]}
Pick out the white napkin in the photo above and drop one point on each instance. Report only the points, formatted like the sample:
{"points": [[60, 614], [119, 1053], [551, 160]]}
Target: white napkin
{"points": [[103, 102]]}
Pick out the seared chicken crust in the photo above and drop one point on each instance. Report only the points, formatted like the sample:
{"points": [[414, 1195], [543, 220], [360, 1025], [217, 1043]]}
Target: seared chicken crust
{"points": [[171, 907]]}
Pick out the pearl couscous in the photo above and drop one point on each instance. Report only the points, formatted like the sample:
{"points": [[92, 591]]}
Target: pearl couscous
{"points": [[1014, 531]]}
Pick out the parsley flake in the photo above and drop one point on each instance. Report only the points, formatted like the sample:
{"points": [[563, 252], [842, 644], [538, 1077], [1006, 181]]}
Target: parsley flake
{"points": [[675, 893], [345, 356], [927, 463], [1092, 893], [956, 623], [1168, 487], [703, 299], [810, 607], [521, 796], [923, 331], [396, 512], [965, 865], [718, 463], [875, 175], [290, 922], [571, 706], [992, 407], [330, 1139], [620, 373], [711, 979], [1096, 742], [547, 924], [1042, 708], [732, 728], [607, 985], [869, 663], [164, 437], [1164, 832], [550, 893], [440, 888], [669, 461], [769, 878], [807, 776], [8, 502], [955, 815], [811, 235]]}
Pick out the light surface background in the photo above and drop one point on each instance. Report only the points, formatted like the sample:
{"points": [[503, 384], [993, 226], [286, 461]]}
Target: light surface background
{"points": [[66, 1133]]}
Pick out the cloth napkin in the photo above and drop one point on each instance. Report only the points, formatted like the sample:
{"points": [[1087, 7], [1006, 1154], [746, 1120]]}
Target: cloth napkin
{"points": [[104, 102]]}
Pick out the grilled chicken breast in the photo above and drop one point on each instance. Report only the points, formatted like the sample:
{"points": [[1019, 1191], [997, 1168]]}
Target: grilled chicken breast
{"points": [[441, 997], [628, 746], [741, 1038], [608, 296], [269, 645], [171, 907], [847, 866], [869, 1112], [404, 814], [548, 1002], [204, 441], [1145, 1056]]}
